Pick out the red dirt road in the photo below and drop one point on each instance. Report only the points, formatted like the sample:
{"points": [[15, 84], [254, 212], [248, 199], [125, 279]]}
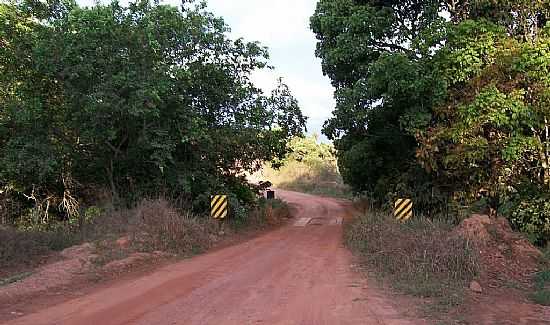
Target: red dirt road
{"points": [[294, 275]]}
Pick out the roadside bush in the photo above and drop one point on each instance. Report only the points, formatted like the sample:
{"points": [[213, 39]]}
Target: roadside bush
{"points": [[281, 207], [22, 247], [532, 216], [101, 223], [541, 285], [159, 226], [541, 295], [265, 213], [430, 198], [153, 225], [420, 257]]}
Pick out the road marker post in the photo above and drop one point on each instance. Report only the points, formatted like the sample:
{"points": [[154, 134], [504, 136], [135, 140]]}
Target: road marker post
{"points": [[219, 206], [403, 209]]}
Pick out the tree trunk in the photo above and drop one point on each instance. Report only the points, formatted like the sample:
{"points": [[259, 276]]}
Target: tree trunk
{"points": [[114, 192]]}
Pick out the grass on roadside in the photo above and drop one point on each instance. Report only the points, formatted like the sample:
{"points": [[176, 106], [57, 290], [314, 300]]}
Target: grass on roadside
{"points": [[153, 225], [23, 247], [541, 294], [14, 278], [319, 179], [158, 226], [421, 257]]}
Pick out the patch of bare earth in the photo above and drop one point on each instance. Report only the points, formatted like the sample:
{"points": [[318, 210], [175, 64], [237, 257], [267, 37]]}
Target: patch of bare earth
{"points": [[508, 263], [86, 268], [74, 268]]}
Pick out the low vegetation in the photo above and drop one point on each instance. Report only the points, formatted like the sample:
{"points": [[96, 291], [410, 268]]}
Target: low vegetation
{"points": [[541, 294], [422, 257], [24, 247], [310, 167], [542, 288], [14, 278], [157, 226], [153, 225]]}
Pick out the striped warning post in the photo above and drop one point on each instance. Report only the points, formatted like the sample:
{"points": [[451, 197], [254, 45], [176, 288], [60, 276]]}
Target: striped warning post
{"points": [[218, 206], [403, 209]]}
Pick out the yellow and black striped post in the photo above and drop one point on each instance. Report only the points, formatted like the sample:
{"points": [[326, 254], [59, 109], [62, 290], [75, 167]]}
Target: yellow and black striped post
{"points": [[219, 206], [403, 209]]}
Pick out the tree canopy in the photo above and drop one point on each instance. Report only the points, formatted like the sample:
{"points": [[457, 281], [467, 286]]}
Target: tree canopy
{"points": [[135, 99], [443, 101], [378, 54]]}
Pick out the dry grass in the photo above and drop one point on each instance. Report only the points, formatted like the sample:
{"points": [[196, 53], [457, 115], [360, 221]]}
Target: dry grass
{"points": [[157, 226], [267, 213], [153, 225], [421, 257], [160, 227], [22, 248], [320, 179], [14, 278]]}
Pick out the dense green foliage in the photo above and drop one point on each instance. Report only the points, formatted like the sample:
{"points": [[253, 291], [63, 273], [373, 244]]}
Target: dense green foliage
{"points": [[384, 90], [133, 100], [310, 151], [444, 101]]}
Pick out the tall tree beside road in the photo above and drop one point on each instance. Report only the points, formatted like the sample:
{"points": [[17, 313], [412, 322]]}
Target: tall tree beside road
{"points": [[137, 99], [442, 101]]}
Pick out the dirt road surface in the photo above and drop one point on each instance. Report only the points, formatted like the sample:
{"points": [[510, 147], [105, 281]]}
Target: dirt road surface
{"points": [[299, 274]]}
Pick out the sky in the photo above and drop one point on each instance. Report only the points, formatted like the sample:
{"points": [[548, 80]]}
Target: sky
{"points": [[282, 26]]}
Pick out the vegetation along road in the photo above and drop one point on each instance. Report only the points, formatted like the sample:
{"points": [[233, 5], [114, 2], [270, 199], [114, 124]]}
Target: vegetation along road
{"points": [[119, 121], [294, 275]]}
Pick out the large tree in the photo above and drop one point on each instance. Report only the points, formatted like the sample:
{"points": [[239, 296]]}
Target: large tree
{"points": [[378, 55], [491, 135], [136, 99], [459, 88]]}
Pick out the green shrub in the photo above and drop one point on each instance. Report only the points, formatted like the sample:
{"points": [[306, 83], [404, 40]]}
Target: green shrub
{"points": [[542, 288], [243, 193], [237, 210], [532, 216]]}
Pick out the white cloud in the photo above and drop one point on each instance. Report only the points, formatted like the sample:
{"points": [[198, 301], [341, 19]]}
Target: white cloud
{"points": [[282, 26], [272, 22]]}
